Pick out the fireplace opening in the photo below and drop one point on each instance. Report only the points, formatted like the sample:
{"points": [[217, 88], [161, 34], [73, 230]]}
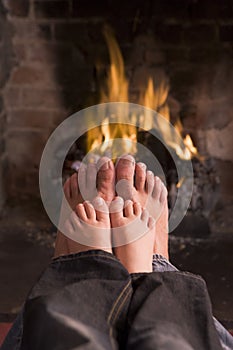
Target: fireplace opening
{"points": [[115, 86], [175, 57]]}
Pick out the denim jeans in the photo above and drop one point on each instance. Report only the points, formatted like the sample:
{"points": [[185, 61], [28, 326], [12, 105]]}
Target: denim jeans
{"points": [[90, 301], [161, 264]]}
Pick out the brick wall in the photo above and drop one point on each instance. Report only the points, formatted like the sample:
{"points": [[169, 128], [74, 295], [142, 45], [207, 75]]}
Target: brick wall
{"points": [[58, 43], [6, 62]]}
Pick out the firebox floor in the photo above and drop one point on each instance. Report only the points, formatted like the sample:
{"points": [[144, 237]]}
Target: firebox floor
{"points": [[26, 247]]}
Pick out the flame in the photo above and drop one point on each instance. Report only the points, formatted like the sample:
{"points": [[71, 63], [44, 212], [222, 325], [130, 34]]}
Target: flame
{"points": [[117, 84], [155, 98]]}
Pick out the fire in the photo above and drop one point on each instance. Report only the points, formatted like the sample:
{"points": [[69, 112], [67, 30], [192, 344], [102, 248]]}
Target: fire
{"points": [[155, 98]]}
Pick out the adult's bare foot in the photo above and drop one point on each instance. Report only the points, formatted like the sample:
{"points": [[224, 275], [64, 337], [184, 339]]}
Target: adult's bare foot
{"points": [[136, 183], [73, 196], [90, 226], [126, 220], [125, 167]]}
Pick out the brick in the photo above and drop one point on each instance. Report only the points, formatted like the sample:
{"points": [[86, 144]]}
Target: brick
{"points": [[26, 75], [200, 34], [178, 9], [225, 170], [12, 97], [2, 145], [208, 55], [72, 32], [2, 124], [219, 142], [1, 105], [17, 7], [32, 118], [94, 8], [176, 54], [41, 98], [154, 57], [2, 186], [171, 34], [20, 52], [210, 9], [226, 33], [31, 30], [36, 76], [29, 145], [51, 9], [48, 53]]}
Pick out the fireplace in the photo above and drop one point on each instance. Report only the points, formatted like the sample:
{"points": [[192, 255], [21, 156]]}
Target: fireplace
{"points": [[172, 57]]}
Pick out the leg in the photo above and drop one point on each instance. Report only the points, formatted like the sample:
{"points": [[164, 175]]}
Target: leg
{"points": [[81, 300], [171, 311], [167, 310]]}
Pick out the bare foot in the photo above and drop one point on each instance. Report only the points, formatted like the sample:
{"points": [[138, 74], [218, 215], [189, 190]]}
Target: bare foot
{"points": [[136, 255], [151, 193], [82, 186], [73, 196], [125, 167], [90, 226], [106, 179], [139, 185]]}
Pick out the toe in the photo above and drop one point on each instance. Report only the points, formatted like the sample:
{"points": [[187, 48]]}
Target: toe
{"points": [[74, 185], [90, 211], [81, 212], [151, 223], [163, 194], [149, 181], [140, 176], [125, 169], [145, 215], [116, 210], [106, 178], [67, 189], [137, 209], [157, 188], [91, 175], [101, 209], [82, 179], [128, 209]]}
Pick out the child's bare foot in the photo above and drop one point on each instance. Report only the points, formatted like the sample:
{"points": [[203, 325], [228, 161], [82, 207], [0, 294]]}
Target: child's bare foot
{"points": [[132, 226], [82, 186], [90, 226]]}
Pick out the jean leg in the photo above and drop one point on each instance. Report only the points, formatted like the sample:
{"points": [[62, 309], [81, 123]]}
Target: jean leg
{"points": [[161, 264], [77, 303], [171, 310]]}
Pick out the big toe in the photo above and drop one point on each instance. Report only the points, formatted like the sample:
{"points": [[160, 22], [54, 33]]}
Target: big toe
{"points": [[106, 179], [125, 176], [101, 208], [116, 211]]}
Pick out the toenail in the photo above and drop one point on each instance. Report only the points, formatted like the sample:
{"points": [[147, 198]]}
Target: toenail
{"points": [[127, 158], [99, 201], [149, 173], [104, 166], [127, 202], [142, 165]]}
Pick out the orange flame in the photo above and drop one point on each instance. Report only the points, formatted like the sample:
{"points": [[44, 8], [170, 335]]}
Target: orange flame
{"points": [[155, 98]]}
